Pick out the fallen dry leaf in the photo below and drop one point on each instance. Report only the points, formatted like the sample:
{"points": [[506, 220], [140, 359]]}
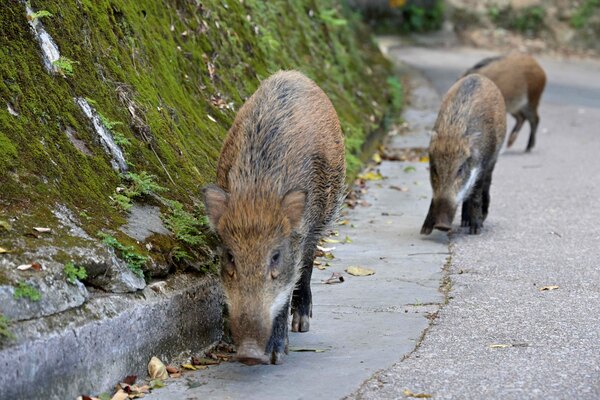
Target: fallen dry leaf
{"points": [[42, 230], [130, 379], [360, 271], [307, 350], [376, 158], [37, 266], [409, 393], [371, 176], [325, 249], [424, 159], [335, 277], [548, 288], [399, 188], [500, 346], [331, 241], [193, 368], [344, 222], [329, 256], [204, 361], [3, 250], [171, 369], [156, 369], [24, 267], [120, 395], [347, 239]]}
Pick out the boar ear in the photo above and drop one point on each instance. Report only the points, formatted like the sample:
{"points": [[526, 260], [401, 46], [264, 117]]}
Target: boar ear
{"points": [[215, 202], [293, 206]]}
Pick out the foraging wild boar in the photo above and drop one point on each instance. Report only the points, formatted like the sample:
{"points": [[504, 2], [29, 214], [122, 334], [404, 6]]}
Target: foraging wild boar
{"points": [[280, 183], [467, 137], [521, 81]]}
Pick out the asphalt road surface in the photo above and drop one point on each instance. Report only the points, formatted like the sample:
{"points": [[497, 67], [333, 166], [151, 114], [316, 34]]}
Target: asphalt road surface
{"points": [[501, 336]]}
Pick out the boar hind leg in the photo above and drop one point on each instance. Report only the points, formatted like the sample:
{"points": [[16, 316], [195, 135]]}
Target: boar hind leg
{"points": [[302, 297], [533, 118], [475, 202], [485, 196], [278, 343], [520, 117]]}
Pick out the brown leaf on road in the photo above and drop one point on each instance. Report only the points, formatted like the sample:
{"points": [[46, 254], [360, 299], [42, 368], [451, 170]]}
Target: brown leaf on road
{"points": [[120, 395], [548, 288], [130, 379], [360, 271], [335, 277], [193, 367], [204, 361], [409, 393], [37, 266], [156, 369], [399, 188], [171, 369]]}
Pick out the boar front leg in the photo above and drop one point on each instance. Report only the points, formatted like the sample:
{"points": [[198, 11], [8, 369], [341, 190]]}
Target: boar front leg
{"points": [[302, 298], [475, 202], [485, 200], [427, 227], [278, 342], [465, 215]]}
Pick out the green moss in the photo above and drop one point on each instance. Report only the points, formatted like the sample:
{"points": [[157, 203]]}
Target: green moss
{"points": [[25, 290], [5, 333], [167, 71]]}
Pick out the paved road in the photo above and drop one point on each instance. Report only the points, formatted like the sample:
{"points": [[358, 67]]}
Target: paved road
{"points": [[365, 323], [543, 229]]}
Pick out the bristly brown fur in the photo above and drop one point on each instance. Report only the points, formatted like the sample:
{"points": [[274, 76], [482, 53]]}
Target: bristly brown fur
{"points": [[280, 182], [522, 81]]}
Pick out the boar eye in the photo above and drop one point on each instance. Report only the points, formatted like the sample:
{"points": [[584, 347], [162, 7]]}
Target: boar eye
{"points": [[230, 258], [275, 258]]}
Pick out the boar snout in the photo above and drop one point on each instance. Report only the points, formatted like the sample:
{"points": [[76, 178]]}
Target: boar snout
{"points": [[440, 216], [250, 353]]}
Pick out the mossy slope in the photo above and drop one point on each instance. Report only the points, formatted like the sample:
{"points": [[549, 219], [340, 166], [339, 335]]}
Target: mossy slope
{"points": [[167, 77]]}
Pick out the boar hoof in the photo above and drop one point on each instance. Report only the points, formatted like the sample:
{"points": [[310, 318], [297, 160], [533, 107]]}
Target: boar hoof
{"points": [[277, 358], [426, 229], [300, 323], [475, 228], [442, 227]]}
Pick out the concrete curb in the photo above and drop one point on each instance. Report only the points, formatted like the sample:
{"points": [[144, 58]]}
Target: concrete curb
{"points": [[89, 349]]}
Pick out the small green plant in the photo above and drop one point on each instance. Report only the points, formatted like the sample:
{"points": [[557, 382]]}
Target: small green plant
{"points": [[141, 184], [187, 227], [134, 260], [4, 330], [528, 20], [396, 92], [25, 290], [330, 17], [108, 123], [581, 16], [39, 14], [74, 273], [121, 140], [65, 66]]}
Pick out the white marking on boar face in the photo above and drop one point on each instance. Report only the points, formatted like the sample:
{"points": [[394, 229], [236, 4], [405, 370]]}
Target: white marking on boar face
{"points": [[466, 189]]}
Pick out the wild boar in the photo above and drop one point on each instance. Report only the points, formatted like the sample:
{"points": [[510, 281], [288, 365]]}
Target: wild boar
{"points": [[521, 81], [280, 183], [467, 137]]}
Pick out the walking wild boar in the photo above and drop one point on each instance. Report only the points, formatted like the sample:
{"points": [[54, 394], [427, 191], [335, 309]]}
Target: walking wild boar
{"points": [[521, 81], [280, 183], [467, 137]]}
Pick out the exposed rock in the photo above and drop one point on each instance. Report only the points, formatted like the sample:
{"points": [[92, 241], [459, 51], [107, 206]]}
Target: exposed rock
{"points": [[144, 221], [56, 295]]}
